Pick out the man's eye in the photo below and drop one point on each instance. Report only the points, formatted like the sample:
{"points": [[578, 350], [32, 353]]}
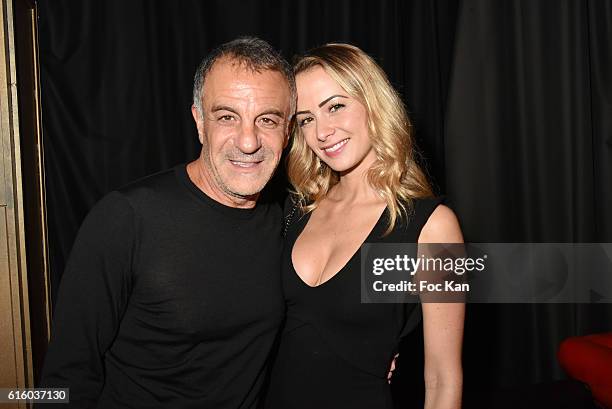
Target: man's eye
{"points": [[305, 121], [268, 122], [226, 118], [336, 107]]}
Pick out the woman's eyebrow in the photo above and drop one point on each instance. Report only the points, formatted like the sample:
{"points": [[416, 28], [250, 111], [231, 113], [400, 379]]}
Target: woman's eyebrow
{"points": [[330, 98], [322, 103]]}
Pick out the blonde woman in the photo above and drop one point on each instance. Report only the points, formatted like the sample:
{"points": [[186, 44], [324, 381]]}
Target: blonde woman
{"points": [[355, 180]]}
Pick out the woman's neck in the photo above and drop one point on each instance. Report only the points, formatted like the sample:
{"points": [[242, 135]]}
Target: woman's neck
{"points": [[353, 186]]}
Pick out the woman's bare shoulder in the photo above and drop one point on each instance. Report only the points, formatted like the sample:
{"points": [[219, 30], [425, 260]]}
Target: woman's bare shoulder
{"points": [[441, 227]]}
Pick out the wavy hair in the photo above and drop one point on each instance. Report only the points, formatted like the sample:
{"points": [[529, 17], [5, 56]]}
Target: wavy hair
{"points": [[395, 175]]}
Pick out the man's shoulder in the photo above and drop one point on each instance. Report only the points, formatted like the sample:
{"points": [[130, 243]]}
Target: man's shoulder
{"points": [[152, 188], [146, 192], [158, 182]]}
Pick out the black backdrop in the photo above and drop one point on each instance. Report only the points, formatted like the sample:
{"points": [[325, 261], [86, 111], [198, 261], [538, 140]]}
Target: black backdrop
{"points": [[512, 102]]}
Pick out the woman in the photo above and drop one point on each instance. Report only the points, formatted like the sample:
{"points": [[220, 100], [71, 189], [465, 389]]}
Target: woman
{"points": [[355, 179]]}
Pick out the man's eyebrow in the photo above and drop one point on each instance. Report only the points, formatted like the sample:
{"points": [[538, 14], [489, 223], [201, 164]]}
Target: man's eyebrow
{"points": [[273, 111], [216, 108]]}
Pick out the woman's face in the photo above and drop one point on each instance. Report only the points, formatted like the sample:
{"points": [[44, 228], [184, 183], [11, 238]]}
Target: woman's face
{"points": [[334, 124]]}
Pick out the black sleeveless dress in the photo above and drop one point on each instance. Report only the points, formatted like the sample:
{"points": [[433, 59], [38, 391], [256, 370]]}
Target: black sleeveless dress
{"points": [[335, 352]]}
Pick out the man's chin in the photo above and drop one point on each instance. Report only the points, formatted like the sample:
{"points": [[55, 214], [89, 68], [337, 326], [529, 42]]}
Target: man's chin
{"points": [[246, 185], [247, 191]]}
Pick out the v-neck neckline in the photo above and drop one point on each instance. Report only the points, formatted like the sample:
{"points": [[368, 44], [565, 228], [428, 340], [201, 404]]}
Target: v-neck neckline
{"points": [[337, 273]]}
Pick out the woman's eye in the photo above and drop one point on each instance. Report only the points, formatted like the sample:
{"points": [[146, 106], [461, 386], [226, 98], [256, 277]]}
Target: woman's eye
{"points": [[305, 121], [336, 107]]}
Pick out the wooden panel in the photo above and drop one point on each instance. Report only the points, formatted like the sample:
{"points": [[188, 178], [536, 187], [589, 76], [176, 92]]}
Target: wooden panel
{"points": [[32, 168], [8, 374], [15, 360]]}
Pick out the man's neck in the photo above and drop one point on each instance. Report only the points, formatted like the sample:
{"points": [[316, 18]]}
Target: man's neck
{"points": [[201, 177]]}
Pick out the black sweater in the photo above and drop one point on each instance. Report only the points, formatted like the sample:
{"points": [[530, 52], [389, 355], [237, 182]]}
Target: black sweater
{"points": [[169, 300]]}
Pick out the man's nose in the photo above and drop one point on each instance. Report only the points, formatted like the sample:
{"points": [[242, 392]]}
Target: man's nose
{"points": [[248, 139]]}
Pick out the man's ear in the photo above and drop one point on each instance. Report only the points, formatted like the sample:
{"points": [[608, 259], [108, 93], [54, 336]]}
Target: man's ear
{"points": [[199, 122]]}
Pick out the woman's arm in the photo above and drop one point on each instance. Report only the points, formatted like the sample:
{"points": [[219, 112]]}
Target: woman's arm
{"points": [[443, 325]]}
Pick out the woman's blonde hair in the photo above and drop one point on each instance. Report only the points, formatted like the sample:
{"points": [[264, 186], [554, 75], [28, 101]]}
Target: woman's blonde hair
{"points": [[395, 175]]}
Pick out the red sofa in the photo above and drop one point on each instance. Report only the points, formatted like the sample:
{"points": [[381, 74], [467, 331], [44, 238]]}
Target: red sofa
{"points": [[589, 359]]}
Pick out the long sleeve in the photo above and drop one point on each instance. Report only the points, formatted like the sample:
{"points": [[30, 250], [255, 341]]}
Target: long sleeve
{"points": [[93, 295]]}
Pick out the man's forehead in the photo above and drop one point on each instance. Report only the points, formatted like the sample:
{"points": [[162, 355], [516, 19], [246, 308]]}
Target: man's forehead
{"points": [[233, 77]]}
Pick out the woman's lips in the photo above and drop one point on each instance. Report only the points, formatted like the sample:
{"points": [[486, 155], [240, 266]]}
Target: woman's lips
{"points": [[335, 149]]}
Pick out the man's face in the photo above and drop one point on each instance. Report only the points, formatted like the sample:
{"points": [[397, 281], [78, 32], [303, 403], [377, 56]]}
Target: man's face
{"points": [[244, 128]]}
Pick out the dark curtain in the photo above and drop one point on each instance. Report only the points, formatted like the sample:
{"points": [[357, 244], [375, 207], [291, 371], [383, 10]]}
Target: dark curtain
{"points": [[512, 103], [528, 145], [117, 80]]}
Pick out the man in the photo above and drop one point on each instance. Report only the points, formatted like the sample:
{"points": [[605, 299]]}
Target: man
{"points": [[171, 297]]}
